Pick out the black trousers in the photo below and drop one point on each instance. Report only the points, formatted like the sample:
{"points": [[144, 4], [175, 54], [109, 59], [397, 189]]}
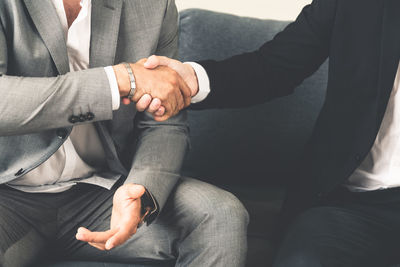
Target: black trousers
{"points": [[348, 229]]}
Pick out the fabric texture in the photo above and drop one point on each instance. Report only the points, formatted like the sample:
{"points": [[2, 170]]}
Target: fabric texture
{"points": [[349, 229], [42, 124], [192, 230]]}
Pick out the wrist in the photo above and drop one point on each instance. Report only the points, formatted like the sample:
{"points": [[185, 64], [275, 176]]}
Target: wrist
{"points": [[123, 80], [193, 83], [148, 208], [196, 88]]}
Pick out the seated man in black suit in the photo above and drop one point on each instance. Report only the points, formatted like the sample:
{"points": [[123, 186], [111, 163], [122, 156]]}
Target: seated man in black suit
{"points": [[349, 185]]}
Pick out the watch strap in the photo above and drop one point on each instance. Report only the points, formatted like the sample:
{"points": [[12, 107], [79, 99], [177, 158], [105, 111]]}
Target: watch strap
{"points": [[132, 80]]}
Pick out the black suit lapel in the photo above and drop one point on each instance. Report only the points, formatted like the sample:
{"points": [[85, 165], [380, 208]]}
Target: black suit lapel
{"points": [[390, 53]]}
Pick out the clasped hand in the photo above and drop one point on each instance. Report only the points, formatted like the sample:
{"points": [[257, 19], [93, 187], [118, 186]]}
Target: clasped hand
{"points": [[163, 86]]}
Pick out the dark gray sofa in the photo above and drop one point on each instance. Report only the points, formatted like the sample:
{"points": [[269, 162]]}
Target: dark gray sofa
{"points": [[247, 151]]}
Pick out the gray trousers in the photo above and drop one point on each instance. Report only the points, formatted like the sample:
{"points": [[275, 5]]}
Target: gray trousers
{"points": [[201, 225]]}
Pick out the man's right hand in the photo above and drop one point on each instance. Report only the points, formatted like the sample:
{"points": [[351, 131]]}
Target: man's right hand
{"points": [[156, 87], [184, 70]]}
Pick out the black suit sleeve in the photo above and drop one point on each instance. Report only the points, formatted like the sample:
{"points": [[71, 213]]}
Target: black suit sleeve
{"points": [[278, 67]]}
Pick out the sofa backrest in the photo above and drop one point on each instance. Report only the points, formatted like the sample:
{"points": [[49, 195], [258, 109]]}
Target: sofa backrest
{"points": [[227, 146]]}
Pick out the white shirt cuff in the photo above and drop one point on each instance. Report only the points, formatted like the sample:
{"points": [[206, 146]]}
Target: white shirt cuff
{"points": [[112, 79], [203, 80]]}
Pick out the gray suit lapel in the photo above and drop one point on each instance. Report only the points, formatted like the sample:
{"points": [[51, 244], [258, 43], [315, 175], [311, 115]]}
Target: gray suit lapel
{"points": [[106, 18], [46, 20]]}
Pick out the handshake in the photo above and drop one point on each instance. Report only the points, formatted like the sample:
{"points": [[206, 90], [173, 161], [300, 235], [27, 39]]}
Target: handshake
{"points": [[163, 86]]}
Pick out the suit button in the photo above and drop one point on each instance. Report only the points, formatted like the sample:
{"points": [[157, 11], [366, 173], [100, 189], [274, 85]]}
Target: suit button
{"points": [[73, 119], [62, 133], [89, 116], [358, 158], [82, 118], [19, 172]]}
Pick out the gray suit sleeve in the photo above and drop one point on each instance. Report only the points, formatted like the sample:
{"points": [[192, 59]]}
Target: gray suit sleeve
{"points": [[160, 151], [161, 147], [30, 105]]}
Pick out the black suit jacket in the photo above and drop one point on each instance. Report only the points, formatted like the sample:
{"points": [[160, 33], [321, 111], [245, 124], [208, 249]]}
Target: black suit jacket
{"points": [[361, 38]]}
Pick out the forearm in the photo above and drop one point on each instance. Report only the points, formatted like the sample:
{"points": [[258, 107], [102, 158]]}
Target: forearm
{"points": [[30, 105], [278, 67], [160, 151]]}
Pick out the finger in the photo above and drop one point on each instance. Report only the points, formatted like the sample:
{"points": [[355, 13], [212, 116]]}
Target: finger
{"points": [[162, 118], [120, 237], [100, 246], [185, 89], [180, 103], [126, 101], [171, 106], [154, 105], [186, 92], [86, 235], [143, 102], [152, 62], [160, 111]]}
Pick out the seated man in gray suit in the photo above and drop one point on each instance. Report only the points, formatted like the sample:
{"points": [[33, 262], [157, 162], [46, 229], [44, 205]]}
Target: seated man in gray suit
{"points": [[72, 156]]}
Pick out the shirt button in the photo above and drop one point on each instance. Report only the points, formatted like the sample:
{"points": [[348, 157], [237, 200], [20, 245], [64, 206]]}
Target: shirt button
{"points": [[62, 133], [89, 116], [73, 119]]}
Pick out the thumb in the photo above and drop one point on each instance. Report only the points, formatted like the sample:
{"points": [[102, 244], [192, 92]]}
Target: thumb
{"points": [[135, 190], [155, 61], [152, 62]]}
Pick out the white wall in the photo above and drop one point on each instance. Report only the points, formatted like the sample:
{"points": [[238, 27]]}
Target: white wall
{"points": [[268, 9]]}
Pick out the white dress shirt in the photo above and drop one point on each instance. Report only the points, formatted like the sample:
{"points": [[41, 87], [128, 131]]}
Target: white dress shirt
{"points": [[81, 157], [381, 168]]}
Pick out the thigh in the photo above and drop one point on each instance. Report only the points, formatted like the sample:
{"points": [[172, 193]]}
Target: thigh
{"points": [[25, 228], [198, 221], [337, 236], [91, 207]]}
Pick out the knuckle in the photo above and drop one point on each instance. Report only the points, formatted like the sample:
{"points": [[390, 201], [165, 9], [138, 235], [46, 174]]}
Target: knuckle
{"points": [[174, 81], [170, 87]]}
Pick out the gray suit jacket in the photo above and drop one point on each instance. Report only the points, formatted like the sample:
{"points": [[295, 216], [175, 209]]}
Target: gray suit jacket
{"points": [[39, 94]]}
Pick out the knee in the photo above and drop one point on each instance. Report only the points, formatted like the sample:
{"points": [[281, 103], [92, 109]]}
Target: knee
{"points": [[216, 207], [311, 240], [230, 212]]}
